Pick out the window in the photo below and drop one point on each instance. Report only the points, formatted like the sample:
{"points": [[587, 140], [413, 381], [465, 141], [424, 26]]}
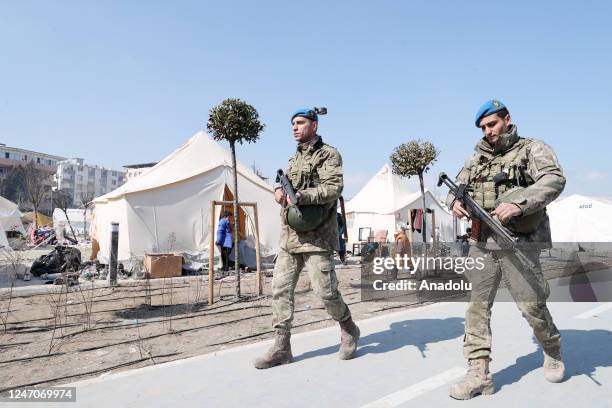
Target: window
{"points": [[38, 160], [7, 155]]}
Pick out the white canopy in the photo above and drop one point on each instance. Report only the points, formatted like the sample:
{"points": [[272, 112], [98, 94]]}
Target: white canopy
{"points": [[579, 218], [80, 219], [10, 220], [167, 208], [384, 204]]}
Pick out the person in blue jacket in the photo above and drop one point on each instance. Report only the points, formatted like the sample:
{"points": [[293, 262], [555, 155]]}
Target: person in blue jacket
{"points": [[225, 240]]}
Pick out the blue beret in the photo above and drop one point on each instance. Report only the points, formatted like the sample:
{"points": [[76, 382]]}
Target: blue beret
{"points": [[306, 113], [489, 108]]}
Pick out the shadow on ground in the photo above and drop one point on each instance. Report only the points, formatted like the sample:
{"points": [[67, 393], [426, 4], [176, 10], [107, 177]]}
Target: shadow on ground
{"points": [[583, 352], [414, 332]]}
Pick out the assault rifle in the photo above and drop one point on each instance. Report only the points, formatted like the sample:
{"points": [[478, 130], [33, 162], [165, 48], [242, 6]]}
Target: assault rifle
{"points": [[502, 235], [287, 188]]}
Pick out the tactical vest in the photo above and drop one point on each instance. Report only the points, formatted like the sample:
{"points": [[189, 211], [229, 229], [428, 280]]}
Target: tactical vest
{"points": [[491, 177], [303, 175]]}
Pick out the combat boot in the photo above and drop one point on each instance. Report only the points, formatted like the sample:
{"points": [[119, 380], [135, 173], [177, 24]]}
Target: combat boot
{"points": [[349, 336], [279, 353], [477, 380], [554, 369]]}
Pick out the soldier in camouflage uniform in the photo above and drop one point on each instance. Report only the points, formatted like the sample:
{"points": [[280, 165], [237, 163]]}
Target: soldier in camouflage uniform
{"points": [[315, 171], [531, 179]]}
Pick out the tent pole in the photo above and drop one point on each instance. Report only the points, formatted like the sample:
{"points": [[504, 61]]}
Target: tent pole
{"points": [[211, 255], [155, 222], [257, 253], [113, 264], [433, 232], [410, 233]]}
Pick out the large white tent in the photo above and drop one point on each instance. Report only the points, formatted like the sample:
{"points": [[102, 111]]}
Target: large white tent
{"points": [[167, 208], [10, 220], [579, 218], [384, 204]]}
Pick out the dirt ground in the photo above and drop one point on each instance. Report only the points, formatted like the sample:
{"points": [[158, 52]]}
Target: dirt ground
{"points": [[60, 336]]}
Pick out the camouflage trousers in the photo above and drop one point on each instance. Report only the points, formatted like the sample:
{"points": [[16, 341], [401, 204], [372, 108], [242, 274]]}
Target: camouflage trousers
{"points": [[528, 289], [322, 277]]}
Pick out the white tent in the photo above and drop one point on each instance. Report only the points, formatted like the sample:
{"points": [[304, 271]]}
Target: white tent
{"points": [[10, 220], [167, 208], [579, 218], [77, 217], [384, 204]]}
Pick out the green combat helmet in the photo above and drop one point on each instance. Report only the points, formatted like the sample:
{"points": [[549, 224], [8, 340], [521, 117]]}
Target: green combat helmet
{"points": [[306, 218], [301, 218], [525, 224]]}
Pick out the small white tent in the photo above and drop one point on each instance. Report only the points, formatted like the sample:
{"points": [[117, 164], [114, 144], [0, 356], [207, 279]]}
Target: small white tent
{"points": [[167, 208], [10, 220], [80, 220], [384, 204], [579, 218]]}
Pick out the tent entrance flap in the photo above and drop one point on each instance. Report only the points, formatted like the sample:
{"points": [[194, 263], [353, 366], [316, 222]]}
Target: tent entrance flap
{"points": [[229, 197], [211, 249]]}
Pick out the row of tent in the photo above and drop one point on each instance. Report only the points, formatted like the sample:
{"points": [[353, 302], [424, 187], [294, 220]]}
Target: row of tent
{"points": [[168, 209]]}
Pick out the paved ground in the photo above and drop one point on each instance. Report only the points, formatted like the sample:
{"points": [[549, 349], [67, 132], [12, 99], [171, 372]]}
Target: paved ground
{"points": [[405, 359]]}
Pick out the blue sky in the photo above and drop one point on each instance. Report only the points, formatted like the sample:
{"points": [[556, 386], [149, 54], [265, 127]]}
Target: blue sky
{"points": [[128, 82]]}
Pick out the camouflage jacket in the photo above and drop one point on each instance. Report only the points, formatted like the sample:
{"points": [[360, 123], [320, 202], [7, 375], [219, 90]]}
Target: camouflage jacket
{"points": [[530, 162], [315, 171]]}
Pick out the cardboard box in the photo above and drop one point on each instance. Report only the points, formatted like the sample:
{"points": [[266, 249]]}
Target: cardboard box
{"points": [[163, 265]]}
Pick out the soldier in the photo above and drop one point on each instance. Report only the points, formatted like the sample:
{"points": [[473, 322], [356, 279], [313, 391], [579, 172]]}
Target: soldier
{"points": [[315, 171], [515, 178]]}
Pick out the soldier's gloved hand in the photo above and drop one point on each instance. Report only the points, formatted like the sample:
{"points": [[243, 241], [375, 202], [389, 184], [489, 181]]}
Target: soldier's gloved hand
{"points": [[297, 195], [505, 211], [279, 196], [459, 210]]}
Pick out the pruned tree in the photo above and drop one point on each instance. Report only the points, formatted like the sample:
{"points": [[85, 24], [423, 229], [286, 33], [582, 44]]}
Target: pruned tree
{"points": [[62, 200], [414, 159], [36, 187], [234, 121], [86, 197], [12, 186]]}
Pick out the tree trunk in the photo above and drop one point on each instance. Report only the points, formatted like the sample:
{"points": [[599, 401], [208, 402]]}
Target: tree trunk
{"points": [[424, 229], [236, 219], [35, 216], [85, 223], [70, 225]]}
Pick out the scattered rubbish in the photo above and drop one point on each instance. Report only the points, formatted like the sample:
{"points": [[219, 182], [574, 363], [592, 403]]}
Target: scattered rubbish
{"points": [[61, 259]]}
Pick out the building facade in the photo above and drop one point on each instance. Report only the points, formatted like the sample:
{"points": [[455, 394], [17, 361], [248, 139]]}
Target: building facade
{"points": [[135, 170], [11, 157], [84, 182]]}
